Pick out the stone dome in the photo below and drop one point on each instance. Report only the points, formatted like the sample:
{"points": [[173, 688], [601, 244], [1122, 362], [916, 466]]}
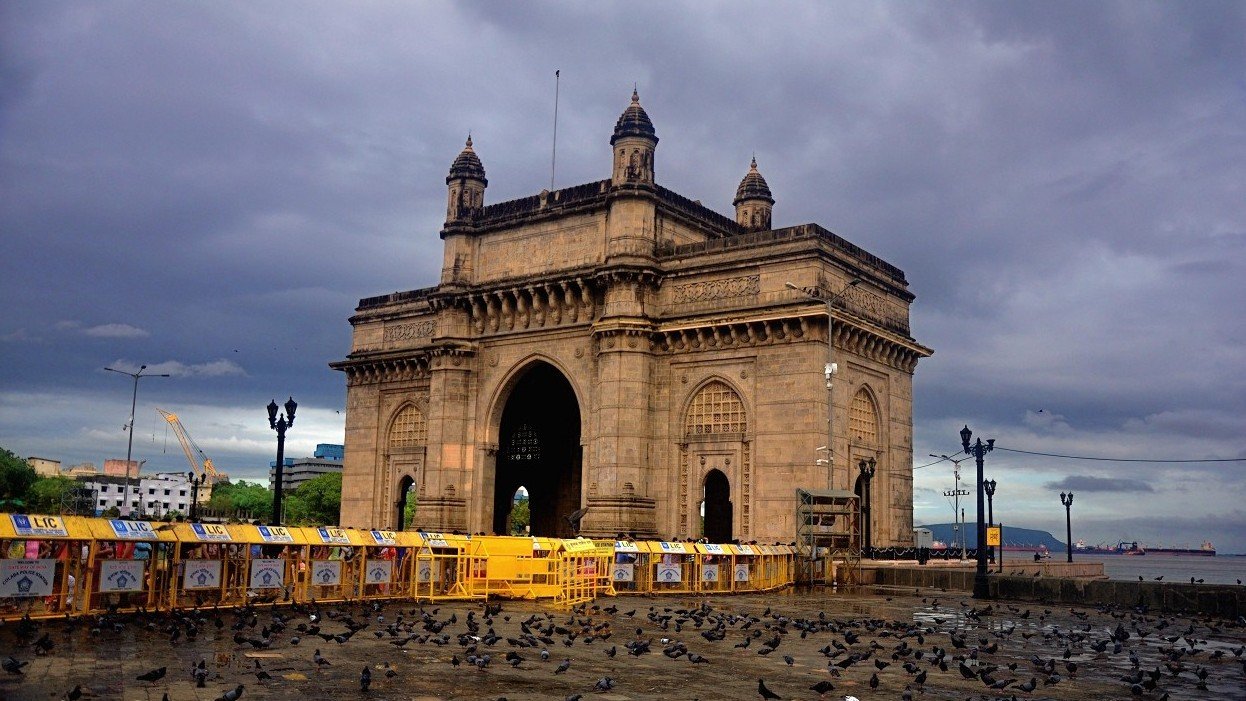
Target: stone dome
{"points": [[467, 165], [753, 187], [634, 122]]}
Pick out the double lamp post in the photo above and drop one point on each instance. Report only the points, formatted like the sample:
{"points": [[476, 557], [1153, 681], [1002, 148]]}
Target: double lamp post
{"points": [[978, 449], [280, 425]]}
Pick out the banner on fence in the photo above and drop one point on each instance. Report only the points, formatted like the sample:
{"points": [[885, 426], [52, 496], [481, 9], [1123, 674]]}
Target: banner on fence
{"points": [[624, 572], [709, 573], [384, 537], [132, 530], [378, 571], [670, 574], [326, 573], [427, 571], [40, 526], [741, 573], [202, 574], [674, 548], [121, 575], [268, 574], [27, 577]]}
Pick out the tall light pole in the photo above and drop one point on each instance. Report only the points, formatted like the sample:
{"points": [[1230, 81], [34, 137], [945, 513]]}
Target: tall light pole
{"points": [[958, 521], [129, 448], [195, 483], [830, 369], [1068, 522], [867, 511], [280, 426], [981, 587], [989, 486]]}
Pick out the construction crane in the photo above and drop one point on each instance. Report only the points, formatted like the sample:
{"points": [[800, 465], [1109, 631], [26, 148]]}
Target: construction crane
{"points": [[200, 463]]}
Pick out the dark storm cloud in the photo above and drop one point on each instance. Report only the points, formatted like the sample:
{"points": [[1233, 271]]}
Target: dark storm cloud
{"points": [[1086, 483], [215, 186]]}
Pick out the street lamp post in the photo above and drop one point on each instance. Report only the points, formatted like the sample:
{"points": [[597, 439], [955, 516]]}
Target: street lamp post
{"points": [[129, 448], [867, 512], [280, 425], [981, 587], [1067, 500], [989, 486], [830, 369], [195, 483]]}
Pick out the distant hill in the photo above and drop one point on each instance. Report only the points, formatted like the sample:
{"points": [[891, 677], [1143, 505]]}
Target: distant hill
{"points": [[1025, 536]]}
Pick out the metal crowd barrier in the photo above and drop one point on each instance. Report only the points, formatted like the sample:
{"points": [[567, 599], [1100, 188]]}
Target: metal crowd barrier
{"points": [[59, 565]]}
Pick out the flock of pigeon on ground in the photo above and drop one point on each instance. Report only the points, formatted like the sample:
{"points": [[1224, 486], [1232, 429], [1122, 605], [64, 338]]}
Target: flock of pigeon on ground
{"points": [[954, 649]]}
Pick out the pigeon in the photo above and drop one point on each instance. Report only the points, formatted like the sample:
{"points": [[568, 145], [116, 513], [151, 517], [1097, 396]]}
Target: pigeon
{"points": [[12, 666], [563, 666], [766, 694], [154, 675], [74, 693], [822, 687], [365, 678], [232, 695], [604, 684], [320, 661]]}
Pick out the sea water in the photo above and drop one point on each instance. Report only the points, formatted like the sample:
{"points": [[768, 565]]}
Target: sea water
{"points": [[1219, 569]]}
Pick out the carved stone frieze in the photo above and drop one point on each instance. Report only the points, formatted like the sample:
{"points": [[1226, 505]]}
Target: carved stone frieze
{"points": [[726, 288], [396, 333]]}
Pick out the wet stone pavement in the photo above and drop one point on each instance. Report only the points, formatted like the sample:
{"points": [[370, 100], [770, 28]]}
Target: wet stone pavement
{"points": [[874, 644]]}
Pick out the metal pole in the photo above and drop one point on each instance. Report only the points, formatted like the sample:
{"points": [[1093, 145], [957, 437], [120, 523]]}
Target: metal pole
{"points": [[981, 586], [1068, 523], [129, 448], [281, 456]]}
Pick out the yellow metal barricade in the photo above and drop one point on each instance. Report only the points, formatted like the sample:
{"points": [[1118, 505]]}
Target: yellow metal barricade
{"points": [[131, 565], [44, 562], [672, 568], [786, 565], [208, 566], [331, 569], [519, 567], [746, 575], [384, 574], [714, 570], [444, 565], [584, 572], [629, 571]]}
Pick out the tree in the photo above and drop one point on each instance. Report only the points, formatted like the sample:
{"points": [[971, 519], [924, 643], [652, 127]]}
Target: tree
{"points": [[46, 494], [251, 497], [316, 502], [520, 517], [16, 478]]}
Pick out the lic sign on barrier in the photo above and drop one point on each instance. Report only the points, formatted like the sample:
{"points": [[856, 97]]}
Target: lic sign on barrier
{"points": [[333, 536], [276, 534], [132, 530], [210, 531], [39, 526]]}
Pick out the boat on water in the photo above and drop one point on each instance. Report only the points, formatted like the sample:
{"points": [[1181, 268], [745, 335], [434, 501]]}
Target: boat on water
{"points": [[1135, 549]]}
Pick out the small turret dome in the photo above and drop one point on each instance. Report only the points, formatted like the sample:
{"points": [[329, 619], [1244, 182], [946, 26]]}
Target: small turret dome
{"points": [[753, 187], [467, 165], [634, 122]]}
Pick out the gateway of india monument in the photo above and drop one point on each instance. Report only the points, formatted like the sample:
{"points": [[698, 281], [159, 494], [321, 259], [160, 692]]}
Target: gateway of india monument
{"points": [[639, 363]]}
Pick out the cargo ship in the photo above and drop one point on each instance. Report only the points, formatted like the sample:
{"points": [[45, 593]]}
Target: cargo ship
{"points": [[1125, 547]]}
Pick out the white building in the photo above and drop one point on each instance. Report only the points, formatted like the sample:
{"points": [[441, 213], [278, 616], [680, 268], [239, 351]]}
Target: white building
{"points": [[151, 495], [296, 471]]}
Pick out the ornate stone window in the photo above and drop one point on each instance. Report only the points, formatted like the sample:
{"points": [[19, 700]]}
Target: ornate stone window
{"points": [[715, 409], [409, 430], [863, 418]]}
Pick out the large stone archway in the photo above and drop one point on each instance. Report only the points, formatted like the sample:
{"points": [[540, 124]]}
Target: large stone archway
{"points": [[539, 449]]}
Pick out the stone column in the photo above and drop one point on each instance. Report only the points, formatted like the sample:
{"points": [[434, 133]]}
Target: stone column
{"points": [[451, 452]]}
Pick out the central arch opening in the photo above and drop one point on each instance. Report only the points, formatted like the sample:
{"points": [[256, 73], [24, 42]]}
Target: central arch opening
{"points": [[539, 449]]}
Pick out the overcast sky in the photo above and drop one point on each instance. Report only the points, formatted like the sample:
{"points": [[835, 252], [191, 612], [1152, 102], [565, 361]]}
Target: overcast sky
{"points": [[210, 188]]}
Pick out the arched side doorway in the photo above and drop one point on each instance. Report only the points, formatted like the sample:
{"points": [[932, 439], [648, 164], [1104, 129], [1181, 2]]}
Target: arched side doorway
{"points": [[539, 449], [406, 498], [717, 507]]}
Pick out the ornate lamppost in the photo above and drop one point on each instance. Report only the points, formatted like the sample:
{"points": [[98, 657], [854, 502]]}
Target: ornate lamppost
{"points": [[989, 486], [129, 448], [981, 588], [280, 425], [195, 483], [830, 370], [1067, 500], [867, 512]]}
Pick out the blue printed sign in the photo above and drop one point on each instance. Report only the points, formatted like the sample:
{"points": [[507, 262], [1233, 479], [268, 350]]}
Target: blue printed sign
{"points": [[210, 531], [132, 530], [39, 526]]}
